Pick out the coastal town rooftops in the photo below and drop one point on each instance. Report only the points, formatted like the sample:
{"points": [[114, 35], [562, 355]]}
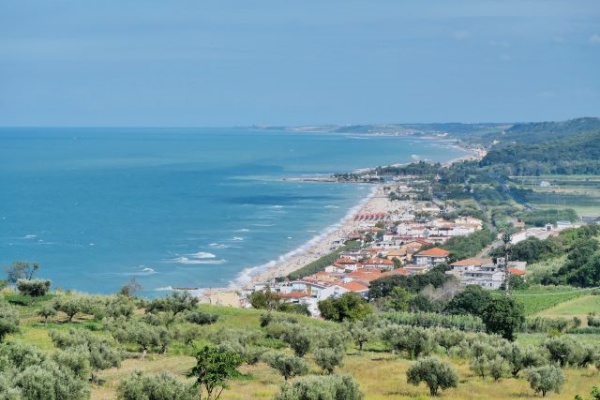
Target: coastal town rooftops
{"points": [[354, 287], [516, 271], [434, 252], [467, 262]]}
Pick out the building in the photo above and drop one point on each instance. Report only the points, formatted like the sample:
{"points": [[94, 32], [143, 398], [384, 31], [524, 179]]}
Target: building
{"points": [[431, 257]]}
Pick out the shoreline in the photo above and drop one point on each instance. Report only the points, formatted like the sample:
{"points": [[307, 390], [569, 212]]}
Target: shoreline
{"points": [[376, 202]]}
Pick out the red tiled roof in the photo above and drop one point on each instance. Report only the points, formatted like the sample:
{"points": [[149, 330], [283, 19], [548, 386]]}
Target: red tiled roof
{"points": [[435, 252], [398, 271], [516, 271], [365, 275], [354, 286]]}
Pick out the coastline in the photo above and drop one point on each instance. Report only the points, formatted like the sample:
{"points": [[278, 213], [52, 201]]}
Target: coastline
{"points": [[376, 202]]}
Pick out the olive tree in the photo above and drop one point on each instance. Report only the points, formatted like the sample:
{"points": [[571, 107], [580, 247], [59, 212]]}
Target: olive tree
{"points": [[321, 387], [435, 373], [9, 320], [546, 378], [162, 386], [287, 366], [329, 357], [33, 287]]}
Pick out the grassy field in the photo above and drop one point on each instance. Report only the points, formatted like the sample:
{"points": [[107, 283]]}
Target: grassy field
{"points": [[580, 192], [538, 299], [579, 307], [380, 374]]}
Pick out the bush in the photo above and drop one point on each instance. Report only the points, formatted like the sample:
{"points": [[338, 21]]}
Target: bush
{"points": [[288, 366], [546, 378], [329, 357], [201, 317], [33, 287], [435, 373], [321, 387], [9, 320], [162, 386]]}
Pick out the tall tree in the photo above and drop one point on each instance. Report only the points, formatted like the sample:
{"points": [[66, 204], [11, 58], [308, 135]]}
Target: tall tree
{"points": [[212, 370]]}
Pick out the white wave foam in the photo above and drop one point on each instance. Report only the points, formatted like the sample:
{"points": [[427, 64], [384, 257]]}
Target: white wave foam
{"points": [[266, 225], [202, 254], [277, 206], [243, 230], [32, 236], [246, 274], [219, 245], [164, 289], [191, 261], [331, 206], [237, 239]]}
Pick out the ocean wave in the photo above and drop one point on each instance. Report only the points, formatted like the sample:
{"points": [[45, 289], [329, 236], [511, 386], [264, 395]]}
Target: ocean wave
{"points": [[247, 274], [331, 206], [219, 245], [243, 230], [28, 237], [202, 254], [165, 289], [237, 239], [192, 261], [263, 225]]}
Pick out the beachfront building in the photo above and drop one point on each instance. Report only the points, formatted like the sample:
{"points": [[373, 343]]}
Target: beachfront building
{"points": [[431, 257], [484, 273]]}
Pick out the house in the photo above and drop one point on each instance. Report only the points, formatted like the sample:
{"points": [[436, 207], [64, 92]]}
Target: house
{"points": [[480, 272], [431, 257], [379, 263]]}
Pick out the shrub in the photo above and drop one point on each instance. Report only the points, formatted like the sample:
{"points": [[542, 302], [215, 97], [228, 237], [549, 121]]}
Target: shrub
{"points": [[288, 366], [33, 287], [435, 373], [546, 378], [9, 320], [321, 387], [329, 357], [162, 386]]}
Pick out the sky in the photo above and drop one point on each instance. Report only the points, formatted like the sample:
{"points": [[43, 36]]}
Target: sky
{"points": [[296, 62]]}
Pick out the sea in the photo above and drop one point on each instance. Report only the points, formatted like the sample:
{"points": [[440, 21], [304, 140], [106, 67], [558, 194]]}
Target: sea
{"points": [[178, 208]]}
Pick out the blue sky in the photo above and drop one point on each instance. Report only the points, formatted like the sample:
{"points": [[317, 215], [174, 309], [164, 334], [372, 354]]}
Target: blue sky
{"points": [[284, 62]]}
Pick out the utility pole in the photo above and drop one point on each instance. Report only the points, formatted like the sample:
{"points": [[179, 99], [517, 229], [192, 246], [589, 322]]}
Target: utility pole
{"points": [[506, 239]]}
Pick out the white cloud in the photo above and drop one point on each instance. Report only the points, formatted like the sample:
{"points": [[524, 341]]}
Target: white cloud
{"points": [[461, 35], [595, 39]]}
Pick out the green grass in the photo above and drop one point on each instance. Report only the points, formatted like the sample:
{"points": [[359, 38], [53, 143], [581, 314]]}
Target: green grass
{"points": [[576, 307], [539, 299]]}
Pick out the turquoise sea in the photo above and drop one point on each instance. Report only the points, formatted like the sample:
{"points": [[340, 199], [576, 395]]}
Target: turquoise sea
{"points": [[176, 207]]}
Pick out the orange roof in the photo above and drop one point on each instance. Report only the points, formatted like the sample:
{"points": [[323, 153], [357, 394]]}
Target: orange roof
{"points": [[365, 275], [467, 262], [434, 252], [354, 286], [378, 261], [398, 271], [516, 271]]}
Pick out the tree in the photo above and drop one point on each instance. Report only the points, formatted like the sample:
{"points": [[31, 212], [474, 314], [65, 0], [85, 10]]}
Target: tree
{"points": [[333, 387], [264, 299], [349, 306], [562, 350], [9, 320], [504, 316], [162, 386], [288, 366], [21, 270], [177, 303], [299, 340], [130, 288], [399, 299], [212, 370], [435, 373], [46, 312], [33, 287], [361, 332], [545, 378], [70, 305], [100, 352], [201, 317], [498, 367], [472, 300], [48, 381], [329, 357]]}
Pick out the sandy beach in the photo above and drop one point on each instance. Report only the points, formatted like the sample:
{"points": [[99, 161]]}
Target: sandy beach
{"points": [[376, 202]]}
